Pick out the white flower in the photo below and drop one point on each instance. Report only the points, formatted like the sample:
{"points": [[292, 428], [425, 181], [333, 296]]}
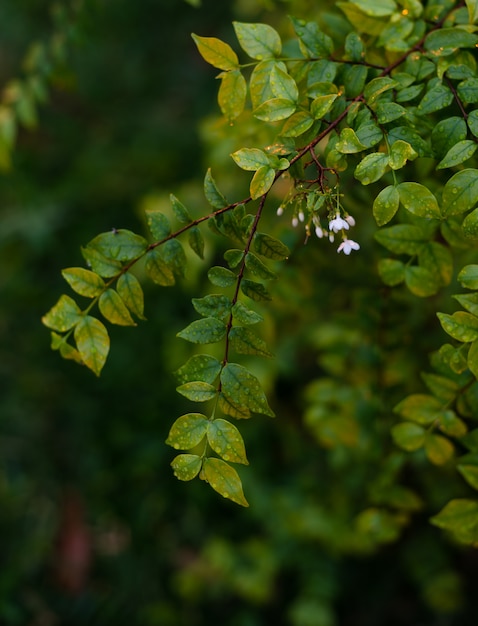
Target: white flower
{"points": [[350, 220], [301, 216], [338, 223], [331, 237], [295, 222], [347, 246], [319, 232], [280, 211]]}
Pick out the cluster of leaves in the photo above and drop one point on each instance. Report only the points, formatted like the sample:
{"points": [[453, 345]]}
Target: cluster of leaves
{"points": [[395, 104], [20, 97]]}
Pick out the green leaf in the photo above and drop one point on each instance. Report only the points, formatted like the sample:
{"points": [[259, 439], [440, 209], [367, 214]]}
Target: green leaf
{"points": [[419, 408], [201, 367], [227, 406], [180, 211], [84, 282], [447, 133], [348, 142], [421, 281], [254, 290], [388, 112], [459, 517], [314, 43], [371, 168], [437, 258], [270, 247], [216, 52], [259, 84], [445, 41], [283, 85], [207, 330], [473, 122], [221, 276], [409, 436], [435, 99], [460, 152], [354, 78], [245, 341], [321, 105], [376, 9], [92, 342], [438, 449], [243, 389], [226, 441], [158, 224], [470, 225], [187, 431], [229, 224], [233, 257], [251, 159], [469, 301], [469, 473], [275, 110], [213, 305], [119, 245], [369, 134], [66, 350], [409, 135], [186, 466], [391, 271], [461, 326], [472, 359], [402, 238], [468, 277], [63, 315], [100, 264], [452, 425], [259, 41], [224, 479], [157, 269], [130, 291], [296, 125], [232, 94], [442, 387], [212, 193], [377, 86], [460, 193], [354, 47], [419, 200], [244, 315], [472, 6], [172, 253], [114, 309], [258, 268], [196, 241], [400, 153], [386, 204], [262, 181], [197, 391]]}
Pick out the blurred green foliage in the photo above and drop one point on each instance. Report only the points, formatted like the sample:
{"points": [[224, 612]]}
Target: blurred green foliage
{"points": [[95, 529]]}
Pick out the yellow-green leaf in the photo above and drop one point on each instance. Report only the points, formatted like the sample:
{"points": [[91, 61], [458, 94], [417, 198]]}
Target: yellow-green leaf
{"points": [[114, 309], [63, 315], [186, 466], [224, 479], [216, 52], [131, 292], [93, 343], [225, 439], [187, 431], [84, 282]]}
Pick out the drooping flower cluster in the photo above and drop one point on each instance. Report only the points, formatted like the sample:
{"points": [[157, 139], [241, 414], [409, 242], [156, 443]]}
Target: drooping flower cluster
{"points": [[339, 222]]}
